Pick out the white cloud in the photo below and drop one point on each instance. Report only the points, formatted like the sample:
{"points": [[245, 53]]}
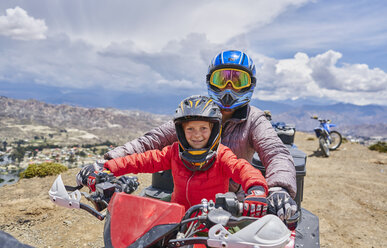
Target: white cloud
{"points": [[181, 66], [349, 78], [60, 62], [167, 46], [18, 25], [322, 77], [152, 25]]}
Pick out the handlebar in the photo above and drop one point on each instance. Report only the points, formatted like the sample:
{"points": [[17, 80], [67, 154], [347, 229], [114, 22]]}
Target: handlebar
{"points": [[226, 210], [216, 216], [320, 120]]}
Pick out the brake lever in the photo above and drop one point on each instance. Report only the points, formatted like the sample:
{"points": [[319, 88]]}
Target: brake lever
{"points": [[72, 188], [92, 211]]}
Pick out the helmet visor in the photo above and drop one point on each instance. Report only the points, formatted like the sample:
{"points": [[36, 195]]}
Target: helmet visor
{"points": [[239, 79]]}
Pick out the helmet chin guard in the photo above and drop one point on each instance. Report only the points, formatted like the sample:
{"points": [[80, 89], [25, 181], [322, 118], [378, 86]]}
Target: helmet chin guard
{"points": [[228, 98]]}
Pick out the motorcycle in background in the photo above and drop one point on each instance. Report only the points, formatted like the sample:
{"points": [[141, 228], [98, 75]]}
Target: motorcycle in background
{"points": [[328, 140]]}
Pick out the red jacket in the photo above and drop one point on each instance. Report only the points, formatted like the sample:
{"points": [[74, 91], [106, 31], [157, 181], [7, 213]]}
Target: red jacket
{"points": [[191, 187]]}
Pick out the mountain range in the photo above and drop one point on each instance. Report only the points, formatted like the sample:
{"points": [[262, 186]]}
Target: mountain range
{"points": [[21, 119], [350, 119], [122, 125]]}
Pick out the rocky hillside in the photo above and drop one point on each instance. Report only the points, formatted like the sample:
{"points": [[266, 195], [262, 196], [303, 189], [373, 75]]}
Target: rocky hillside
{"points": [[347, 191], [25, 118]]}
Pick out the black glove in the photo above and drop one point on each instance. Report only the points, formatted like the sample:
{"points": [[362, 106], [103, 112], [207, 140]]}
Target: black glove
{"points": [[280, 203], [87, 175], [255, 203], [107, 156], [127, 184]]}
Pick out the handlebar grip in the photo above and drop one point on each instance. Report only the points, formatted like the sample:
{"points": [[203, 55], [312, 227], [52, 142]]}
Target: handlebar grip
{"points": [[229, 202]]}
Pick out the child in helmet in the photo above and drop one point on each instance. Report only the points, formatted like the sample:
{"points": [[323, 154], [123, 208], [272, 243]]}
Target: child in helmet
{"points": [[231, 80], [201, 166]]}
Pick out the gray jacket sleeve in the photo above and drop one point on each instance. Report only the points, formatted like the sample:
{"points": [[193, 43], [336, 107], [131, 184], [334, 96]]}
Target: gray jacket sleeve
{"points": [[276, 158], [157, 138]]}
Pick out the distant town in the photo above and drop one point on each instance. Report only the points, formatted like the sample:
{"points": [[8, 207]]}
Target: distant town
{"points": [[367, 141], [15, 156]]}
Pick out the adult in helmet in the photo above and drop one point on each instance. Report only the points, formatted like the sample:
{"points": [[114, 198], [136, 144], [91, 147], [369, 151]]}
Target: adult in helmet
{"points": [[231, 80], [201, 166]]}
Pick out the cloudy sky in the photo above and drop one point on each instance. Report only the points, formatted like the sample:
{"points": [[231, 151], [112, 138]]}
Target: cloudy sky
{"points": [[120, 52]]}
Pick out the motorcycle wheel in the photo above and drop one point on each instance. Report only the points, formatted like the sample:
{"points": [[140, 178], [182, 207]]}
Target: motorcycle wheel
{"points": [[324, 146], [336, 140]]}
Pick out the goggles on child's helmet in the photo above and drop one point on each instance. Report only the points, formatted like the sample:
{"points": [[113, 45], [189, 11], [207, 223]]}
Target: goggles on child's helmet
{"points": [[238, 69], [198, 108]]}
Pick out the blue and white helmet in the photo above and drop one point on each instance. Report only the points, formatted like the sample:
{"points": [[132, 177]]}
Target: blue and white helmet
{"points": [[228, 98]]}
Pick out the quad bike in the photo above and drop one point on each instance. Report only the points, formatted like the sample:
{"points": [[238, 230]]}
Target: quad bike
{"points": [[328, 140], [307, 230], [135, 221]]}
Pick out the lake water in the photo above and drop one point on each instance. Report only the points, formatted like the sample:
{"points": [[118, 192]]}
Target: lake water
{"points": [[5, 159], [10, 178], [7, 177]]}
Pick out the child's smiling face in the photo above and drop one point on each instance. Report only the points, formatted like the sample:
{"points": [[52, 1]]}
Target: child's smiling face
{"points": [[197, 133]]}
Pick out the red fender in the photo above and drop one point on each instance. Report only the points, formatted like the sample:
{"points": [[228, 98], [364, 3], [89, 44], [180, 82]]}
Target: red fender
{"points": [[132, 216]]}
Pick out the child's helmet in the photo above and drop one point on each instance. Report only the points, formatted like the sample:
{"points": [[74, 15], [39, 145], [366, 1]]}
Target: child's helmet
{"points": [[198, 108], [233, 59]]}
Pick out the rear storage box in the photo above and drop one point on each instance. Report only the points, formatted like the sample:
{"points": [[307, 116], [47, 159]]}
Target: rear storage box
{"points": [[285, 132], [299, 158], [286, 135]]}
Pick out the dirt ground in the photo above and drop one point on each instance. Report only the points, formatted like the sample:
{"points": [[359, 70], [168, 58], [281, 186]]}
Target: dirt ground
{"points": [[347, 191]]}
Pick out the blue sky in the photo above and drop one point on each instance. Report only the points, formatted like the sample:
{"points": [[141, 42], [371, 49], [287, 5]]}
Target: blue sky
{"points": [[120, 53]]}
